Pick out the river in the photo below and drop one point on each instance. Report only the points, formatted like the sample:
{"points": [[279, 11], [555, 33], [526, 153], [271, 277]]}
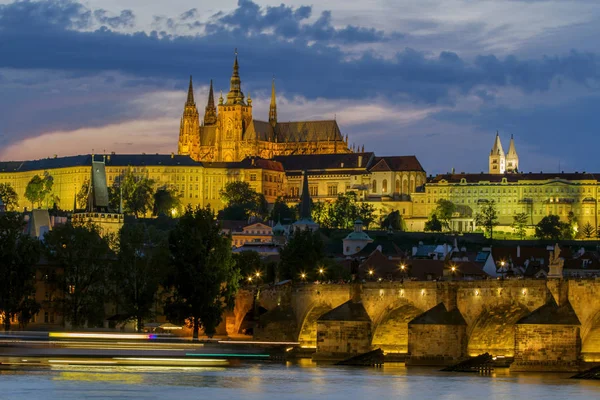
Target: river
{"points": [[281, 382]]}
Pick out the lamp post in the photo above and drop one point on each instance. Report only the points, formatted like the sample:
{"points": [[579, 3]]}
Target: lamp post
{"points": [[502, 264]]}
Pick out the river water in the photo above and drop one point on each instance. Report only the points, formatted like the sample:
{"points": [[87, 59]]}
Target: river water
{"points": [[281, 382]]}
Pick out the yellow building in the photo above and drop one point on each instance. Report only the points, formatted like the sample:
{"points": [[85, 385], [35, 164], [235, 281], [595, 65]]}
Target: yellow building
{"points": [[229, 132]]}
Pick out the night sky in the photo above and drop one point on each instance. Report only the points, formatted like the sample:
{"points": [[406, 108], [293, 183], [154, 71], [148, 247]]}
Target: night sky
{"points": [[434, 78]]}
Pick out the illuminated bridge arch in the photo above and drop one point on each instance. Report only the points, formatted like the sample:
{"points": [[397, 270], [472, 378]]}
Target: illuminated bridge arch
{"points": [[390, 330]]}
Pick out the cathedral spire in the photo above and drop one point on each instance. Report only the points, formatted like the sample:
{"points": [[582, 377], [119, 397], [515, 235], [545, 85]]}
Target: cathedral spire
{"points": [[273, 106], [305, 198], [210, 112], [235, 95], [512, 158], [190, 96], [497, 149]]}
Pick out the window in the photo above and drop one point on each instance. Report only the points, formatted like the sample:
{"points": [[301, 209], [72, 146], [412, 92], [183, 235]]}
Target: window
{"points": [[332, 190], [374, 186], [313, 190], [252, 177], [384, 186]]}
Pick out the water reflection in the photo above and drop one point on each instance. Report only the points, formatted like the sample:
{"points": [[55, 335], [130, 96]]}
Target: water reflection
{"points": [[300, 380]]}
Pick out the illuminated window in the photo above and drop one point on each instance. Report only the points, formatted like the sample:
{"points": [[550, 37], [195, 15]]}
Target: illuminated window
{"points": [[252, 177], [374, 186], [384, 186], [71, 289]]}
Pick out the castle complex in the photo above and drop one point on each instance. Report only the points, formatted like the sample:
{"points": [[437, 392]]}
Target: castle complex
{"points": [[228, 144]]}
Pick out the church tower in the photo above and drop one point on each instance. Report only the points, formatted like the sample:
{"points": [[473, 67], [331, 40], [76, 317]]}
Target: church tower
{"points": [[210, 112], [512, 159], [273, 107], [497, 162], [235, 115], [189, 130]]}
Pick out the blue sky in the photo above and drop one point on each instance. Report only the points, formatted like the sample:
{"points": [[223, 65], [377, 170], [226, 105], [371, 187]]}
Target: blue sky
{"points": [[434, 78]]}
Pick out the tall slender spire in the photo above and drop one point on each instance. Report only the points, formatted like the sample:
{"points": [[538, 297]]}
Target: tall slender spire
{"points": [[190, 96], [497, 149], [235, 95], [273, 106], [512, 158], [210, 112], [305, 199]]}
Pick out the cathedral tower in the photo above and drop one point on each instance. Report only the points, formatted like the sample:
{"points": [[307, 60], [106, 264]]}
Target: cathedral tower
{"points": [[512, 159], [273, 107], [497, 162], [189, 130], [210, 112], [235, 115]]}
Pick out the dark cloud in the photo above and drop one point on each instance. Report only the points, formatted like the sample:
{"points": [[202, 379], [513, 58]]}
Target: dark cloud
{"points": [[125, 20]]}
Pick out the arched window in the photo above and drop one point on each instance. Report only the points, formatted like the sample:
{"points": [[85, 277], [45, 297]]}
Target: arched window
{"points": [[384, 186], [405, 186], [374, 186], [397, 190]]}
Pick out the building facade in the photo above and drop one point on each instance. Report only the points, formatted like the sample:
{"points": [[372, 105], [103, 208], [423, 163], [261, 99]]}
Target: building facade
{"points": [[229, 133]]}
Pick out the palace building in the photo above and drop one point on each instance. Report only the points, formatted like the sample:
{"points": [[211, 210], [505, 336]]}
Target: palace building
{"points": [[229, 133]]}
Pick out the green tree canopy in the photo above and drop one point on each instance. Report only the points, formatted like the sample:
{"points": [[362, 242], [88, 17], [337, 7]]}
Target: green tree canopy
{"points": [[137, 193], [39, 190], [203, 279], [519, 224], [282, 212], [242, 202], [249, 264], [551, 227], [166, 199], [487, 217], [19, 255], [343, 212], [433, 224], [9, 197], [82, 196], [393, 220], [139, 270], [302, 254], [444, 211], [84, 256]]}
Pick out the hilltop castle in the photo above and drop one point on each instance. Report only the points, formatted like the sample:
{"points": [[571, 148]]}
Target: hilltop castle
{"points": [[229, 132]]}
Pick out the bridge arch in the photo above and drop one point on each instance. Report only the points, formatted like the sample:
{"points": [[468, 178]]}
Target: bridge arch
{"points": [[390, 329], [590, 343], [494, 330]]}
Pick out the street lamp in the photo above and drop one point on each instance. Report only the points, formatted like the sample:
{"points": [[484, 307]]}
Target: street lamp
{"points": [[371, 273], [303, 276]]}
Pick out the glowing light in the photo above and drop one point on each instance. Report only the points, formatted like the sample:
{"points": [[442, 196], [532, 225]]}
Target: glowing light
{"points": [[371, 272], [255, 342], [476, 292], [524, 292], [402, 267], [226, 355], [249, 279], [81, 362], [321, 271], [453, 268], [81, 335], [303, 275], [257, 274]]}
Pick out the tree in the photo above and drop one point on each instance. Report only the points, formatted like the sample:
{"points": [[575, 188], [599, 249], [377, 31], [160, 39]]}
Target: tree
{"points": [[282, 212], [249, 263], [551, 227], [83, 256], [444, 211], [519, 224], [242, 202], [487, 216], [39, 189], [366, 213], [82, 196], [203, 279], [302, 254], [19, 255], [588, 230], [433, 224], [9, 197], [166, 202], [136, 193], [393, 220], [138, 271]]}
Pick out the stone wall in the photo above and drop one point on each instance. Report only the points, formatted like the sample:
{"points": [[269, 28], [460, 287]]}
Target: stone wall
{"points": [[436, 344], [342, 339], [546, 348]]}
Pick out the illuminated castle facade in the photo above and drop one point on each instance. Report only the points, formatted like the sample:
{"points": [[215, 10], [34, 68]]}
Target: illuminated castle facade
{"points": [[228, 131]]}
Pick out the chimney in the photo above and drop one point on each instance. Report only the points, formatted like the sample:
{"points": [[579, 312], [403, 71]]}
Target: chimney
{"points": [[359, 161]]}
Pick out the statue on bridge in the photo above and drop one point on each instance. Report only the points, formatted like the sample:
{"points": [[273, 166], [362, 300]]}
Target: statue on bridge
{"points": [[556, 263]]}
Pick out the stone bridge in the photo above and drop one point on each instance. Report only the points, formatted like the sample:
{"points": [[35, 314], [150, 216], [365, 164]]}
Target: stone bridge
{"points": [[492, 312]]}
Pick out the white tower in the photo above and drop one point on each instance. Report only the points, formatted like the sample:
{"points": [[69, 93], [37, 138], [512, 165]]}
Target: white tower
{"points": [[512, 159], [497, 158]]}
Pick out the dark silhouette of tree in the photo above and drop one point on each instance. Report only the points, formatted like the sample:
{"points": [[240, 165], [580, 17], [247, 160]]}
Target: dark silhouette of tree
{"points": [[433, 224], [19, 255], [139, 271], [9, 197], [519, 224], [249, 263], [166, 202], [551, 227], [588, 230], [487, 216], [203, 279], [393, 220], [242, 202], [302, 254], [84, 257], [82, 196], [282, 212]]}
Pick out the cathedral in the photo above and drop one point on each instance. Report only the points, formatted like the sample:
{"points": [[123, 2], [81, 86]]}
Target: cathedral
{"points": [[501, 163], [229, 133]]}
